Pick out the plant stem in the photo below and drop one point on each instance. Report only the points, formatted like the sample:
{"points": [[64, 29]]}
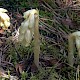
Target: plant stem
{"points": [[36, 40]]}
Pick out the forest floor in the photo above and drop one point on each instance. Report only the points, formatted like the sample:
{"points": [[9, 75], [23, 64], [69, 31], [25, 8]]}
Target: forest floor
{"points": [[57, 19]]}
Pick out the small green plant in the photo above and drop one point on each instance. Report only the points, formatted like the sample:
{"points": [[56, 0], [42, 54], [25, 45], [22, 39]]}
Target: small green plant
{"points": [[33, 78], [24, 75]]}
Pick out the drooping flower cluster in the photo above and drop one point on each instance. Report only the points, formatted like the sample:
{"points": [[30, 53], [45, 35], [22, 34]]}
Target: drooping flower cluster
{"points": [[26, 30], [4, 19]]}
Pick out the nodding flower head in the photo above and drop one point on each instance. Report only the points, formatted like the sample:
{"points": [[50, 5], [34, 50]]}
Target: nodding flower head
{"points": [[26, 30], [3, 10], [30, 12], [4, 19]]}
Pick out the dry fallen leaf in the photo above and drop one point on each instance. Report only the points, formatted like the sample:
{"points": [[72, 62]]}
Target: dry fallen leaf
{"points": [[1, 31], [2, 73]]}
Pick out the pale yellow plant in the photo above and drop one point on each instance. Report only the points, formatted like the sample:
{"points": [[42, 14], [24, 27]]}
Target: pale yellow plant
{"points": [[29, 29], [4, 19]]}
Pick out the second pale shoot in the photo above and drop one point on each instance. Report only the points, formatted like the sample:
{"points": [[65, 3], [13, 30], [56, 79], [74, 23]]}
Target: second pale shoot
{"points": [[73, 39]]}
